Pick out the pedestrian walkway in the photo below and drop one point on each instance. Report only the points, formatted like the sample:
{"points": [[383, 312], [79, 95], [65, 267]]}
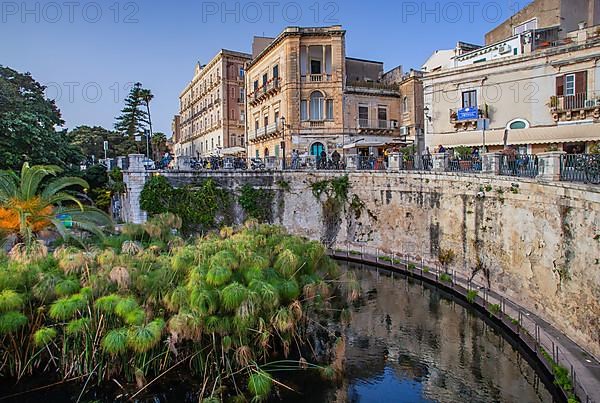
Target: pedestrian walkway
{"points": [[537, 334]]}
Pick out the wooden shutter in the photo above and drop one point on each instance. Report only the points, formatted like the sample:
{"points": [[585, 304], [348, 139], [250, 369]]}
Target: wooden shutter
{"points": [[581, 82], [560, 86]]}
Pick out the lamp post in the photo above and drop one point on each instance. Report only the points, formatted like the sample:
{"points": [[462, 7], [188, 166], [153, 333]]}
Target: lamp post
{"points": [[282, 120], [147, 134]]}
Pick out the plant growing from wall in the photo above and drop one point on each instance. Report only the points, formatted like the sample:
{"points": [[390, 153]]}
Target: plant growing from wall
{"points": [[336, 192], [446, 257], [257, 203], [198, 207], [471, 295]]}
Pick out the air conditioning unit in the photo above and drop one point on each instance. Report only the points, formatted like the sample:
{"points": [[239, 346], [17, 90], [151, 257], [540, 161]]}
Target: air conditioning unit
{"points": [[394, 124], [504, 48], [590, 103], [404, 131]]}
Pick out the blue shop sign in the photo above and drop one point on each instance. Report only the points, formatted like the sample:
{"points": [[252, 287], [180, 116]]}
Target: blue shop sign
{"points": [[467, 114]]}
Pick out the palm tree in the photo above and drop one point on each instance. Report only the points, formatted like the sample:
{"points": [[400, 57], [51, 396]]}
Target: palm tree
{"points": [[29, 204], [147, 96]]}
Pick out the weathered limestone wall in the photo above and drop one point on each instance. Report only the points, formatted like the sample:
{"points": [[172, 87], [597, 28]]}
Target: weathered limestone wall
{"points": [[541, 241]]}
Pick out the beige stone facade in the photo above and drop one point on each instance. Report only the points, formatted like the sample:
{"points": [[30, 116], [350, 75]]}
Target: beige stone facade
{"points": [[212, 107], [305, 94], [543, 96]]}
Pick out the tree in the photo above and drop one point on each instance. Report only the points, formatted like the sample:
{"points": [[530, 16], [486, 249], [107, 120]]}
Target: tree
{"points": [[28, 124], [135, 117], [159, 145], [29, 204], [90, 140]]}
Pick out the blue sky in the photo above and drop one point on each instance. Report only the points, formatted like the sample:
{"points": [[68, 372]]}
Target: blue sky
{"points": [[87, 52]]}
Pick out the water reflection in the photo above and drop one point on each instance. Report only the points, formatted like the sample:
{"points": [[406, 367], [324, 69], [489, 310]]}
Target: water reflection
{"points": [[409, 344]]}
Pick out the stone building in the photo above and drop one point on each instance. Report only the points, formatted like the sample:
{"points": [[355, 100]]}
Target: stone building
{"points": [[176, 133], [305, 94], [567, 14], [538, 88], [211, 116]]}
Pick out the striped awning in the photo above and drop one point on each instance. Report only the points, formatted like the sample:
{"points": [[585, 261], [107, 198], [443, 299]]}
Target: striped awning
{"points": [[535, 135]]}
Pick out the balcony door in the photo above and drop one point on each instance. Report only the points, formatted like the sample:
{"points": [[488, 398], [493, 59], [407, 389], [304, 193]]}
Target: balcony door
{"points": [[572, 88]]}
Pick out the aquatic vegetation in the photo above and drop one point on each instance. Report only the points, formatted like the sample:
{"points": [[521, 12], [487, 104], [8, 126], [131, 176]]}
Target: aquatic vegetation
{"points": [[223, 305]]}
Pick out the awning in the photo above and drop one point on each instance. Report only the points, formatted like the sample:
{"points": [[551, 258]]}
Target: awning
{"points": [[232, 151], [363, 144], [536, 135]]}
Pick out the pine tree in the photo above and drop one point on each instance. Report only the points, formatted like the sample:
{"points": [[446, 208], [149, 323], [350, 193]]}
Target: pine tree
{"points": [[133, 118]]}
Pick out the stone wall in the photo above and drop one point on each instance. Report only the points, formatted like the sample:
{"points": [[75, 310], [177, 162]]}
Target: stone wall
{"points": [[540, 241]]}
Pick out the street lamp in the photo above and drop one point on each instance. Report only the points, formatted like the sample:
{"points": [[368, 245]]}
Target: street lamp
{"points": [[282, 120]]}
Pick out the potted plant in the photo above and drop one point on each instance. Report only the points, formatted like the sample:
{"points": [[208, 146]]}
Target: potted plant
{"points": [[407, 156], [463, 154]]}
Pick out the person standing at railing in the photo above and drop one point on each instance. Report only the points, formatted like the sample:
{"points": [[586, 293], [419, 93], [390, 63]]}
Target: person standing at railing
{"points": [[322, 163], [426, 158], [335, 158], [295, 158]]}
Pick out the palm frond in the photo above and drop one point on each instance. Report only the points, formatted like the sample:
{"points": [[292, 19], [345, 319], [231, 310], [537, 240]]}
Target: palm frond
{"points": [[32, 177], [60, 184]]}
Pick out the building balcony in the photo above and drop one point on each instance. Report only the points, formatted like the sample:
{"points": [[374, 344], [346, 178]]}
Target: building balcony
{"points": [[270, 131], [466, 118], [572, 107], [271, 88], [316, 78], [579, 106], [366, 125]]}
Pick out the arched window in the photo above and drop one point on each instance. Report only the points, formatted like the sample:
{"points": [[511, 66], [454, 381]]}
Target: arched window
{"points": [[517, 124], [316, 106], [405, 104]]}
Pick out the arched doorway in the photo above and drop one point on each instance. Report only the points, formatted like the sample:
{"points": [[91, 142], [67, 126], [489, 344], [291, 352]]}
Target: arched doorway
{"points": [[266, 152], [316, 148]]}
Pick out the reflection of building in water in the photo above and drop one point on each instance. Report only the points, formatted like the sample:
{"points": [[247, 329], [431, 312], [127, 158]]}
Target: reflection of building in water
{"points": [[434, 342]]}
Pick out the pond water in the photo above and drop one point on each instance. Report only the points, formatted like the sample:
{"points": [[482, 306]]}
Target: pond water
{"points": [[406, 343]]}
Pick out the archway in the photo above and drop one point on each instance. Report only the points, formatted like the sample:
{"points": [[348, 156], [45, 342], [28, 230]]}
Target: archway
{"points": [[316, 148]]}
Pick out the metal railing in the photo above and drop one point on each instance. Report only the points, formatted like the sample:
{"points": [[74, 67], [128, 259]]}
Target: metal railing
{"points": [[580, 168], [469, 163], [415, 260], [376, 124], [522, 165], [584, 100]]}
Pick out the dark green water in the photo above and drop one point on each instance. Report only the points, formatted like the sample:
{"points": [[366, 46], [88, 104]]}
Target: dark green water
{"points": [[405, 343]]}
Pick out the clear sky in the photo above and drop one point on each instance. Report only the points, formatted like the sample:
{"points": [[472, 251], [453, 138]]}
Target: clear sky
{"points": [[87, 52]]}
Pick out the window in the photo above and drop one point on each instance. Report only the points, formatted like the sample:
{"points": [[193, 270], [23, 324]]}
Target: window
{"points": [[241, 95], [256, 125], [315, 66], [382, 114], [363, 115], [218, 141], [316, 106], [570, 84], [303, 113], [264, 82], [212, 144], [329, 109], [518, 124], [255, 85], [276, 71], [276, 117], [241, 72], [266, 119], [405, 104], [242, 117], [469, 99]]}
